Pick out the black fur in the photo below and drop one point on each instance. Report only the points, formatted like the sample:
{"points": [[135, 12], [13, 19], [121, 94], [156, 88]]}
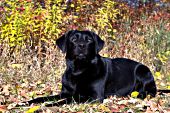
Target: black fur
{"points": [[91, 77]]}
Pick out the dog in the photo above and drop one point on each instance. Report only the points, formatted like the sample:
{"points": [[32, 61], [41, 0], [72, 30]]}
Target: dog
{"points": [[91, 77]]}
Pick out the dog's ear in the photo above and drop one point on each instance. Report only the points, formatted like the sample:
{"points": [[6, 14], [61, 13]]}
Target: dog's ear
{"points": [[62, 41], [99, 43]]}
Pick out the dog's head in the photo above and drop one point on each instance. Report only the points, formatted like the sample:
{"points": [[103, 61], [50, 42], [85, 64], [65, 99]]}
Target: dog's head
{"points": [[81, 45]]}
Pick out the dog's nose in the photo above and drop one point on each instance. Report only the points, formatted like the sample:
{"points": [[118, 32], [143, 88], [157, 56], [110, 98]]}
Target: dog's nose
{"points": [[81, 46]]}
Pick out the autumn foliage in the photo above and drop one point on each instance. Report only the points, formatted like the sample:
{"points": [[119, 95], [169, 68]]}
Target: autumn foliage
{"points": [[31, 65]]}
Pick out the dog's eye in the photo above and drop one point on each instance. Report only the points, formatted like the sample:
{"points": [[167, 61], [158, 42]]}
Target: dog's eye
{"points": [[74, 39], [89, 39]]}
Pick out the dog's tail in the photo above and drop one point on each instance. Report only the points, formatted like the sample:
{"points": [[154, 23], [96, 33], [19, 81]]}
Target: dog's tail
{"points": [[161, 91]]}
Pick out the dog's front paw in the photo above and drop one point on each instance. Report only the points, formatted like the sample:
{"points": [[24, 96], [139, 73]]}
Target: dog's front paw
{"points": [[21, 104], [35, 101]]}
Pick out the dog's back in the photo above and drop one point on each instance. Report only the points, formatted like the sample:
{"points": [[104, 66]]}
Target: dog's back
{"points": [[124, 78]]}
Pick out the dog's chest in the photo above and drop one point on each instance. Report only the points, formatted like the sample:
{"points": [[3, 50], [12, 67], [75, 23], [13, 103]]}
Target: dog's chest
{"points": [[87, 82], [85, 86]]}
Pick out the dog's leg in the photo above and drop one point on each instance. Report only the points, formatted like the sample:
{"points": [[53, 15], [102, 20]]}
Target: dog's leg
{"points": [[98, 90], [71, 99], [147, 88], [55, 98], [65, 95], [146, 84], [44, 99]]}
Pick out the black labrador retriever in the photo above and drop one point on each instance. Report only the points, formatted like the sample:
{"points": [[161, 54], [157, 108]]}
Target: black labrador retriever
{"points": [[89, 76]]}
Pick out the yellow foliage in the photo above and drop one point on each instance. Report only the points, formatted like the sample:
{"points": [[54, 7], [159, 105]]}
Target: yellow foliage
{"points": [[33, 109], [162, 58], [158, 75], [134, 94], [105, 14], [168, 87], [72, 5], [16, 65], [104, 108], [105, 55]]}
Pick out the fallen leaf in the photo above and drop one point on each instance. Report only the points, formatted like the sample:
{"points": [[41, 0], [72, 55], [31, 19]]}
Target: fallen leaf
{"points": [[13, 105], [3, 108], [16, 65], [106, 55], [114, 110], [168, 87], [134, 94], [104, 108], [24, 94], [5, 90], [33, 109], [132, 101], [130, 111], [122, 106]]}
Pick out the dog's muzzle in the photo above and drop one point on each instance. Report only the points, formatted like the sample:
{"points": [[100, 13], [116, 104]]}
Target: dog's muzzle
{"points": [[80, 56]]}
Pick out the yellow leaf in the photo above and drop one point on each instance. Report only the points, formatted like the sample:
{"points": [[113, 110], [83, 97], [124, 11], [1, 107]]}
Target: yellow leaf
{"points": [[72, 5], [148, 97], [157, 74], [168, 87], [104, 108], [134, 94], [11, 44], [75, 16], [74, 21], [105, 55], [13, 32], [32, 94], [16, 65], [33, 109], [167, 53], [43, 39], [109, 30], [164, 57], [114, 30], [113, 37], [39, 82], [20, 39], [12, 39]]}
